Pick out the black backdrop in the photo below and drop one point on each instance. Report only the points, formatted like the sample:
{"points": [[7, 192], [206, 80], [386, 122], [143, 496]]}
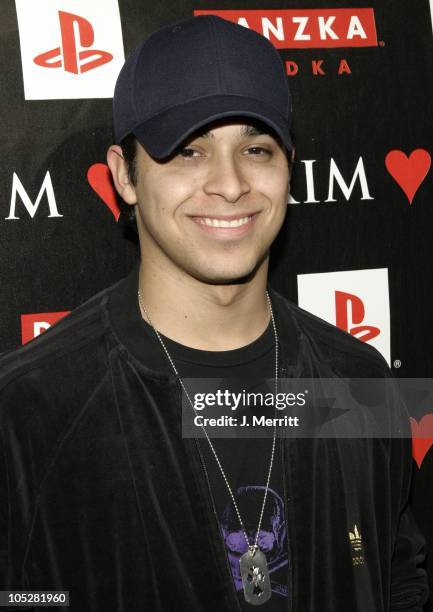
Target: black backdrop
{"points": [[56, 256]]}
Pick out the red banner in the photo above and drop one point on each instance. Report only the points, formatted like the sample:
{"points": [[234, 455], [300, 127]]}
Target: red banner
{"points": [[307, 28]]}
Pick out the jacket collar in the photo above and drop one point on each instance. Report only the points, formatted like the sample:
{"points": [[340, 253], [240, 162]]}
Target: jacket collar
{"points": [[135, 334]]}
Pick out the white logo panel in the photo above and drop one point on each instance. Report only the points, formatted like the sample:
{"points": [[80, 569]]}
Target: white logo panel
{"points": [[356, 301], [69, 48], [431, 12]]}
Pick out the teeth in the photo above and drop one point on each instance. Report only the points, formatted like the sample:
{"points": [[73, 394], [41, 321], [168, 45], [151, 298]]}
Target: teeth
{"points": [[223, 222]]}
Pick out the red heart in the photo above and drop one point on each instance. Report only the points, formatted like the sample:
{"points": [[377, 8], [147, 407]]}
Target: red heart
{"points": [[99, 178], [408, 172], [422, 437]]}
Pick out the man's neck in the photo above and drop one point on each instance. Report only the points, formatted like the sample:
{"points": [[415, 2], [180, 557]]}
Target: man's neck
{"points": [[205, 316]]}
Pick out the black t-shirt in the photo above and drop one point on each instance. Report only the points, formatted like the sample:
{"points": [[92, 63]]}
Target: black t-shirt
{"points": [[245, 461]]}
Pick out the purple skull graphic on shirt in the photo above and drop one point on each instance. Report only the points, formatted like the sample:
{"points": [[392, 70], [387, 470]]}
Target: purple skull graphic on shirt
{"points": [[272, 535]]}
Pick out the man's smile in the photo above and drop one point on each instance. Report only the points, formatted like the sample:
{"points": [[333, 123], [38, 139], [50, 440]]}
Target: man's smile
{"points": [[228, 225]]}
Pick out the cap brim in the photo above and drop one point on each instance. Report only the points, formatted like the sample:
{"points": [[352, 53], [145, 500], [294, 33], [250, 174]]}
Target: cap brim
{"points": [[163, 133]]}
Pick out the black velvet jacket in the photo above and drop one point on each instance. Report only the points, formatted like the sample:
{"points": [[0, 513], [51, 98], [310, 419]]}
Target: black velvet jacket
{"points": [[101, 496]]}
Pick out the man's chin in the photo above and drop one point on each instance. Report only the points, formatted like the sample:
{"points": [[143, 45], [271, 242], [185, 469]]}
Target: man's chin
{"points": [[227, 272], [227, 277]]}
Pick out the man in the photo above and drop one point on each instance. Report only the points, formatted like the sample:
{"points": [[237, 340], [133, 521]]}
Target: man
{"points": [[101, 495]]}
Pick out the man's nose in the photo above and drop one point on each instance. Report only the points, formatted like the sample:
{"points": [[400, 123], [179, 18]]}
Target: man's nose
{"points": [[226, 178]]}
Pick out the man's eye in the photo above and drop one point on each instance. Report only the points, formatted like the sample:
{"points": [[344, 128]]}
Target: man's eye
{"points": [[260, 151], [188, 153]]}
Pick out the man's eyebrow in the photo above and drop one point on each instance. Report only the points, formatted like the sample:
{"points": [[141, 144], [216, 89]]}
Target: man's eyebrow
{"points": [[253, 130], [203, 134]]}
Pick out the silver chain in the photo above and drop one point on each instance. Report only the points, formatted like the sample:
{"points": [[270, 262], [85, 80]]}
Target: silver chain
{"points": [[255, 545]]}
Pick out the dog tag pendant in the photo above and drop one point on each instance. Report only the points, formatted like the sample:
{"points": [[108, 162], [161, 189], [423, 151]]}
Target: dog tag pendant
{"points": [[255, 577]]}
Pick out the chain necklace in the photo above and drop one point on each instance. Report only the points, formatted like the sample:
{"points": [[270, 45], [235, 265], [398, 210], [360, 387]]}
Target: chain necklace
{"points": [[253, 566]]}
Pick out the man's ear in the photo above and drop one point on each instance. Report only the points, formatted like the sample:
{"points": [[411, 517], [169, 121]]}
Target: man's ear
{"points": [[119, 172]]}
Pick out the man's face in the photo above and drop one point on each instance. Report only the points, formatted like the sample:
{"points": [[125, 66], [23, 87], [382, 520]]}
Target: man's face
{"points": [[213, 209]]}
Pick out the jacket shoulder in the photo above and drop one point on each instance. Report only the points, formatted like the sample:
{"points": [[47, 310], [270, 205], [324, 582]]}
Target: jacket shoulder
{"points": [[78, 331]]}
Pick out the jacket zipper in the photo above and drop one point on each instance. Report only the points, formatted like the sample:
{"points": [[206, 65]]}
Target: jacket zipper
{"points": [[235, 597]]}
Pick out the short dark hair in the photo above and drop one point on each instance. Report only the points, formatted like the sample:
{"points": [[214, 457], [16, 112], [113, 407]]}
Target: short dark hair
{"points": [[129, 152]]}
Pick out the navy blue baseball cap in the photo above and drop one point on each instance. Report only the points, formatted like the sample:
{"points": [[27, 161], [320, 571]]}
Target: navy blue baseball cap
{"points": [[194, 72]]}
